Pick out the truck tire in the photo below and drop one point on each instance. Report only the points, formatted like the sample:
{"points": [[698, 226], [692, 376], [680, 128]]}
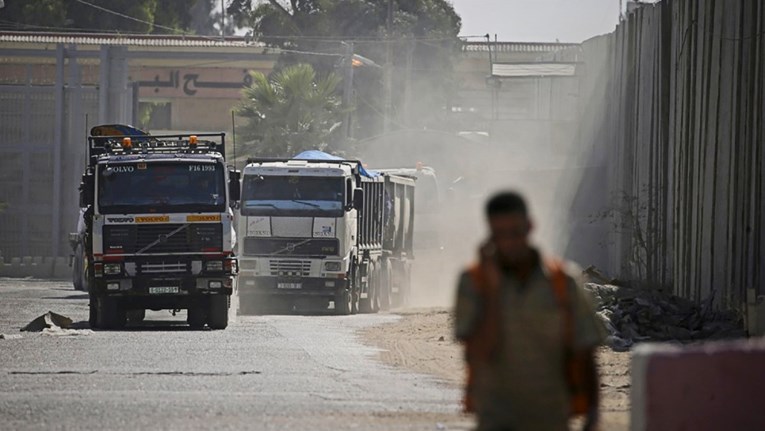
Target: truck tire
{"points": [[343, 303], [385, 283], [92, 310], [366, 304], [78, 270], [218, 315], [356, 293], [111, 314], [377, 285], [136, 316], [197, 316]]}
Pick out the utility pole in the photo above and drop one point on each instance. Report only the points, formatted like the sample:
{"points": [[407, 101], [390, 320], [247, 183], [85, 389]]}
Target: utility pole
{"points": [[223, 19], [388, 72], [347, 89]]}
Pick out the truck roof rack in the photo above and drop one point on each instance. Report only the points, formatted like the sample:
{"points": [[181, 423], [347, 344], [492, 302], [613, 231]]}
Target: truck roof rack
{"points": [[156, 144], [356, 163]]}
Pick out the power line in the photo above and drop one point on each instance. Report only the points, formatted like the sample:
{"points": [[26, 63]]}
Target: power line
{"points": [[122, 15]]}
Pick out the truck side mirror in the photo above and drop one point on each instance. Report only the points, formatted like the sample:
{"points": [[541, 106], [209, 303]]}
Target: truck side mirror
{"points": [[358, 198], [86, 191], [234, 185]]}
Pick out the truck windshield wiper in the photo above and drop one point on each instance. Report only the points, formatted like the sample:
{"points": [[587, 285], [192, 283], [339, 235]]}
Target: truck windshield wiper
{"points": [[306, 203], [262, 205]]}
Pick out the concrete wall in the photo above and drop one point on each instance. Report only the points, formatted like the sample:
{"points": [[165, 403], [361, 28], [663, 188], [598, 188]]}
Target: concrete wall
{"points": [[673, 105], [716, 386]]}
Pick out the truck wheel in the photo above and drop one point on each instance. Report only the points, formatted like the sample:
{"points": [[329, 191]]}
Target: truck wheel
{"points": [[343, 303], [218, 317], [78, 275], [385, 283], [92, 310], [197, 316], [355, 293], [376, 290], [366, 304], [111, 314], [136, 316]]}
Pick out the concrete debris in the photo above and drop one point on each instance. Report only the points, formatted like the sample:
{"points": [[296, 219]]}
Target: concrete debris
{"points": [[631, 315], [46, 321], [10, 337]]}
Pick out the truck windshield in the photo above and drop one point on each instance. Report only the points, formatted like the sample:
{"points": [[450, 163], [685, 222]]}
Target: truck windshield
{"points": [[144, 187], [291, 195]]}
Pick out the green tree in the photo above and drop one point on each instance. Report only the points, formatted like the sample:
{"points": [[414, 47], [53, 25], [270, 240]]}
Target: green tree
{"points": [[290, 112], [151, 16], [423, 43]]}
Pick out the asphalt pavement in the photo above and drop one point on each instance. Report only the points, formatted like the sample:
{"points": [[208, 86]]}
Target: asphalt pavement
{"points": [[264, 373]]}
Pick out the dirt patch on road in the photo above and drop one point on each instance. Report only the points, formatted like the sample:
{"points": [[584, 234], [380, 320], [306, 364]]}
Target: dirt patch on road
{"points": [[422, 341]]}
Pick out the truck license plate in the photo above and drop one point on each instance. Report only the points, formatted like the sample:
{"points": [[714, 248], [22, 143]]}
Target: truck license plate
{"points": [[159, 290], [289, 286]]}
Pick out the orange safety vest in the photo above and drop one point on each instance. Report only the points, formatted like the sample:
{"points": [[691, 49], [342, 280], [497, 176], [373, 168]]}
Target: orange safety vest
{"points": [[481, 346]]}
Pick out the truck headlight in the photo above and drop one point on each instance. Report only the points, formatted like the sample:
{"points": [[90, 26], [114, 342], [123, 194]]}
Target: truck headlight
{"points": [[214, 266], [112, 269], [333, 266]]}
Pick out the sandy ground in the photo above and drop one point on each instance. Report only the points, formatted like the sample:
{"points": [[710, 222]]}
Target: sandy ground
{"points": [[421, 341]]}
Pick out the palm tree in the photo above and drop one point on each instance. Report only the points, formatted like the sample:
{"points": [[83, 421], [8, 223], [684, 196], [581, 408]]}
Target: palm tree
{"points": [[290, 112]]}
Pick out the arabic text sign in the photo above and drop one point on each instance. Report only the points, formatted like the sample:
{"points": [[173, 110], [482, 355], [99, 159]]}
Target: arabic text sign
{"points": [[192, 82]]}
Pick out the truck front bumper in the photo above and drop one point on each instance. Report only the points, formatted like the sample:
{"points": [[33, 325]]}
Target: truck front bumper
{"points": [[165, 286], [252, 286]]}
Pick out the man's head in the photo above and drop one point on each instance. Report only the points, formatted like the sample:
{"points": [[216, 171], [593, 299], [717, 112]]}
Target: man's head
{"points": [[509, 226]]}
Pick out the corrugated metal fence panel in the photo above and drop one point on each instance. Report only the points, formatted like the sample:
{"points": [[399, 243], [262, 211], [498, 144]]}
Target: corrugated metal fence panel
{"points": [[682, 120], [26, 165]]}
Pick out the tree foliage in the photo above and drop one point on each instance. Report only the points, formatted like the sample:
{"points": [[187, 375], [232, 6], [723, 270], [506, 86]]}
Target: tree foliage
{"points": [[292, 111], [71, 15], [424, 43]]}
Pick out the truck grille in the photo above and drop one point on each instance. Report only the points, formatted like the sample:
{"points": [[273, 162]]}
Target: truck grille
{"points": [[291, 247], [290, 268], [163, 267], [163, 238]]}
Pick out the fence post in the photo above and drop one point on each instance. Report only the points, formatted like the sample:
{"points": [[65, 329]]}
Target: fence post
{"points": [[58, 135]]}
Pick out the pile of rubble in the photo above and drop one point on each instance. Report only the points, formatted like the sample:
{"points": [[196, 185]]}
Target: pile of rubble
{"points": [[632, 315]]}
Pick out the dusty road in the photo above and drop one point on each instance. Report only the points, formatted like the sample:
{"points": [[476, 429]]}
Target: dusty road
{"points": [[422, 341], [270, 372]]}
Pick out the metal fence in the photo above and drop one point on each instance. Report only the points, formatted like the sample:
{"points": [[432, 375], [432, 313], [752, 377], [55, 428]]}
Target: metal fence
{"points": [[42, 149], [675, 100]]}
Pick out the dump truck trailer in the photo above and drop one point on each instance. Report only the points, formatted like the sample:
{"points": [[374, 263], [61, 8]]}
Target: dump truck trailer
{"points": [[323, 232]]}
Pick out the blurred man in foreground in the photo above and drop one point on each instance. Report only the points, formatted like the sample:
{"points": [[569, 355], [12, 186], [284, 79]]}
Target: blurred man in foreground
{"points": [[529, 332]]}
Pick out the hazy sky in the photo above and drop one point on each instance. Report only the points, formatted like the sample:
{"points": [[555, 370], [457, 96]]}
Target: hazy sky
{"points": [[538, 20]]}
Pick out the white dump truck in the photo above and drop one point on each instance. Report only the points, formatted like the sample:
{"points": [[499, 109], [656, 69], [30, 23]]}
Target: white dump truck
{"points": [[322, 232]]}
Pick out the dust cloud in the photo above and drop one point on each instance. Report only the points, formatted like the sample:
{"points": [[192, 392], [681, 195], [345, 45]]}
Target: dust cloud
{"points": [[543, 165]]}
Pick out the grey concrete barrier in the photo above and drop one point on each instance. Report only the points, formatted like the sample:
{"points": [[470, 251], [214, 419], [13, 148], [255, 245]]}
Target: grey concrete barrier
{"points": [[45, 267], [712, 386]]}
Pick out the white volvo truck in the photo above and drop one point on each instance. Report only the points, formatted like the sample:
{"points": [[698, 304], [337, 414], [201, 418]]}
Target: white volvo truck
{"points": [[320, 231], [156, 227]]}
